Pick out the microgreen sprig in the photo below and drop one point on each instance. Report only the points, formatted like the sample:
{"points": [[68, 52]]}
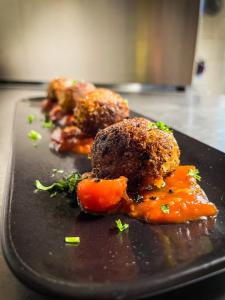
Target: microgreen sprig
{"points": [[66, 185]]}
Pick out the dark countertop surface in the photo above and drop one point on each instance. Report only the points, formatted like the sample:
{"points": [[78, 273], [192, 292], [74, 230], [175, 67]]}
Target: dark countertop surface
{"points": [[197, 115]]}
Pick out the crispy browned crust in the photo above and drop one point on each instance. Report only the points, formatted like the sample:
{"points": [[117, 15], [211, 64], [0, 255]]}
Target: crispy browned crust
{"points": [[129, 148], [72, 94], [57, 86], [100, 109]]}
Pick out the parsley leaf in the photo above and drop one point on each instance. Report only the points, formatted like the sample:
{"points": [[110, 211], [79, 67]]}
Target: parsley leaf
{"points": [[195, 173], [72, 239], [47, 124], [66, 185], [161, 125], [121, 226], [30, 119], [165, 208]]}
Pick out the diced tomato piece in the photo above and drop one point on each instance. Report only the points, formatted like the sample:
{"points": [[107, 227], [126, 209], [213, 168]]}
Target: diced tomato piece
{"points": [[100, 196]]}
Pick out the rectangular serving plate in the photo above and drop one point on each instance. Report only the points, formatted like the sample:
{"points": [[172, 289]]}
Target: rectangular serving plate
{"points": [[144, 261]]}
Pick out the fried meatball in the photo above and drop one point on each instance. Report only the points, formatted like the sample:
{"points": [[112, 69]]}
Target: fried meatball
{"points": [[134, 149], [72, 94], [57, 86], [100, 109]]}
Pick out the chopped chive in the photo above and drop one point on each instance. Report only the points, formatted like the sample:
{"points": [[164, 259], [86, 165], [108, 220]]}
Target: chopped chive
{"points": [[165, 208], [48, 124], [121, 226], [56, 171], [34, 136], [30, 119], [53, 194], [195, 173], [72, 239]]}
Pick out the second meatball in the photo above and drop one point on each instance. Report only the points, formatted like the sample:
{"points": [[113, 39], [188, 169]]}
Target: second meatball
{"points": [[100, 109], [72, 94]]}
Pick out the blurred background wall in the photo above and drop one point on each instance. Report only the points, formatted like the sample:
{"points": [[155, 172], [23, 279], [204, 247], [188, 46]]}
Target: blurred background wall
{"points": [[106, 41], [211, 47]]}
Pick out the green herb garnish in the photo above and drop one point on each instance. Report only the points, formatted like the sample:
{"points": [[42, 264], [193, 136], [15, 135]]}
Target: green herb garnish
{"points": [[195, 173], [34, 136], [72, 239], [57, 171], [121, 226], [162, 126], [66, 185], [165, 208], [151, 125], [30, 119], [75, 81], [47, 124]]}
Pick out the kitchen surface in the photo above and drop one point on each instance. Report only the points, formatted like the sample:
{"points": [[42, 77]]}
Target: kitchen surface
{"points": [[167, 60]]}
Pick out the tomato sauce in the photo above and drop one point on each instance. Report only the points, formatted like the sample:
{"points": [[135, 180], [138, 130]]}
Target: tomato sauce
{"points": [[70, 139], [180, 200], [83, 146], [101, 195]]}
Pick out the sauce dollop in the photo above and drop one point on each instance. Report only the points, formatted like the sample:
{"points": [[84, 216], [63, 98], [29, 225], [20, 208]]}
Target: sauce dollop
{"points": [[70, 139], [179, 201]]}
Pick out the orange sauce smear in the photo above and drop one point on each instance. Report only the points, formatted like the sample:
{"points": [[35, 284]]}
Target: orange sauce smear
{"points": [[69, 139], [83, 146], [181, 200]]}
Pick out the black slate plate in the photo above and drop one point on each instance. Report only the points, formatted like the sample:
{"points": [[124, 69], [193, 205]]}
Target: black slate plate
{"points": [[146, 260]]}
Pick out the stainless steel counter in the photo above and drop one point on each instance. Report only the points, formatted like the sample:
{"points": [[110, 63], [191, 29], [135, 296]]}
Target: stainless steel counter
{"points": [[197, 115]]}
